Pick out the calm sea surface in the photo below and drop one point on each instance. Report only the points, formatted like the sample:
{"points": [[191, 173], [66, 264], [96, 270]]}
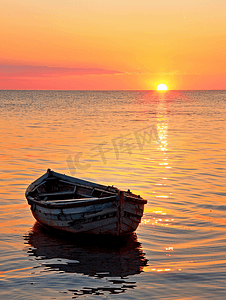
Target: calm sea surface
{"points": [[168, 147]]}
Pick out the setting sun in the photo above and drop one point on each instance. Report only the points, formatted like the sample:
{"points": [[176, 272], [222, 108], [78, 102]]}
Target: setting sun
{"points": [[162, 87]]}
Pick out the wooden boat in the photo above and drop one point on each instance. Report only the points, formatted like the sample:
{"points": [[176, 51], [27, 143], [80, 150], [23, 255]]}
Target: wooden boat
{"points": [[77, 206]]}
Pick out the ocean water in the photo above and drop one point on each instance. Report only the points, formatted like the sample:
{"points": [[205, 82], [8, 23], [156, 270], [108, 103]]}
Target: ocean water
{"points": [[169, 147]]}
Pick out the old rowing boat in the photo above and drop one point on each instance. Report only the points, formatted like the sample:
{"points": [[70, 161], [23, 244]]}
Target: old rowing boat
{"points": [[77, 206]]}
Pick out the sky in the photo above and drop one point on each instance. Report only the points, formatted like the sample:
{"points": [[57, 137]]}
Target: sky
{"points": [[112, 45]]}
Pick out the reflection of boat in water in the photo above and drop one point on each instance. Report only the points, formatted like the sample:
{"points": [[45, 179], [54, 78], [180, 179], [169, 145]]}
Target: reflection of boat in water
{"points": [[73, 205], [93, 256]]}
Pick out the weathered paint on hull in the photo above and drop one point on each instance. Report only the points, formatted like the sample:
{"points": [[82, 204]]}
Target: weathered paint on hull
{"points": [[99, 219]]}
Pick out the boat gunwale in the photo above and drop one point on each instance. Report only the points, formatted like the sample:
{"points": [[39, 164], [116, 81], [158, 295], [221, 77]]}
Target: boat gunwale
{"points": [[66, 203], [70, 203]]}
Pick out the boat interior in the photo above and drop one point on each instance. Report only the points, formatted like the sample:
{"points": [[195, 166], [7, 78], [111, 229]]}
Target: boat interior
{"points": [[58, 189]]}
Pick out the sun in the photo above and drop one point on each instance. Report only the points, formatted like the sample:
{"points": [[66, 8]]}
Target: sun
{"points": [[162, 87]]}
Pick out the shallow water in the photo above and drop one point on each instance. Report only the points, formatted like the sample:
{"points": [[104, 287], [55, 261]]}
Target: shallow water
{"points": [[167, 147]]}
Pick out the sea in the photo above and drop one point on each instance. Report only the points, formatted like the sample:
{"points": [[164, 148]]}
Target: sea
{"points": [[169, 147]]}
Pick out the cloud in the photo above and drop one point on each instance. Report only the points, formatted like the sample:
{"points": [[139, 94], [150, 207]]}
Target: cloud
{"points": [[172, 73], [9, 71]]}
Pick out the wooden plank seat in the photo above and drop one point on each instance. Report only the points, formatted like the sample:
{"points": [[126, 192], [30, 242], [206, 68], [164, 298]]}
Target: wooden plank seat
{"points": [[63, 194], [68, 200], [101, 193]]}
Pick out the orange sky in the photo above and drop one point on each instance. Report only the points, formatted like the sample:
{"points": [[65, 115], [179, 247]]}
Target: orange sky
{"points": [[112, 45]]}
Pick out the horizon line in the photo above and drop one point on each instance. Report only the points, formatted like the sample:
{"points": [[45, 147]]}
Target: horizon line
{"points": [[115, 90]]}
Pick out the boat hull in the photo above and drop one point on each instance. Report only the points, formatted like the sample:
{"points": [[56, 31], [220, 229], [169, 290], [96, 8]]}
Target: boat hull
{"points": [[117, 214]]}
